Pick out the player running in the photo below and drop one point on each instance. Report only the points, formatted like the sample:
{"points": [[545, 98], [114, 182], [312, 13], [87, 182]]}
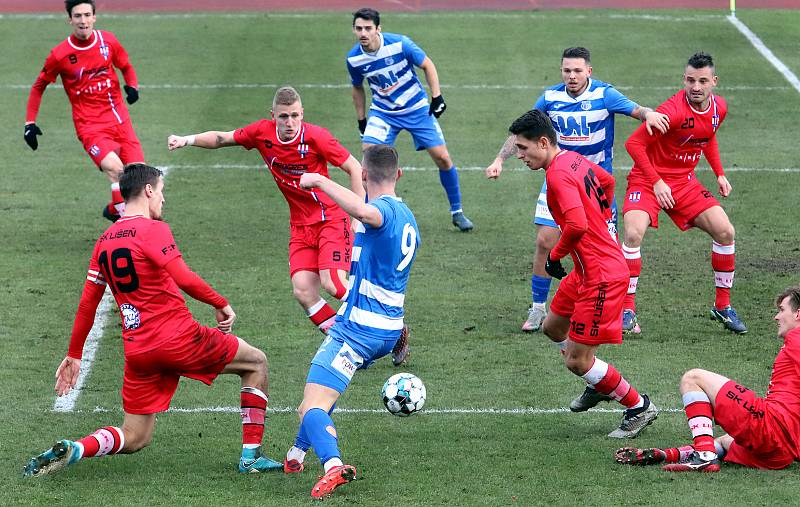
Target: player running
{"points": [[761, 432], [371, 317], [138, 259], [587, 307], [663, 177], [86, 62], [399, 102], [582, 111]]}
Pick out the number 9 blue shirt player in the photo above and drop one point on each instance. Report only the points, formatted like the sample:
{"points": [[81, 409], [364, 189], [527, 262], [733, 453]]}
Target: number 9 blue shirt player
{"points": [[399, 101], [370, 320]]}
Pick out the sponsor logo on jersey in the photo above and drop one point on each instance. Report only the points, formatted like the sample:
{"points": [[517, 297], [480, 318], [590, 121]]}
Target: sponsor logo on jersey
{"points": [[635, 196], [347, 361], [131, 318]]}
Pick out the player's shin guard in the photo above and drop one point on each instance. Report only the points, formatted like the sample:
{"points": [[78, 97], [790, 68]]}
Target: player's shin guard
{"points": [[699, 414], [319, 427], [678, 454], [108, 440], [322, 315], [723, 262], [633, 258], [449, 180], [606, 380], [540, 288], [254, 408], [117, 205]]}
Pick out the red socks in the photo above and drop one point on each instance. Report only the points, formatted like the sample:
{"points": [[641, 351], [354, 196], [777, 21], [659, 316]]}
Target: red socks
{"points": [[254, 408], [633, 258], [322, 315], [108, 440], [723, 262]]}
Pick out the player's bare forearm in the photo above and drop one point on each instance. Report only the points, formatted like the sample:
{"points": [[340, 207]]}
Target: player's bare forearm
{"points": [[360, 102], [211, 140], [651, 119], [431, 76], [349, 201], [353, 167], [508, 150]]}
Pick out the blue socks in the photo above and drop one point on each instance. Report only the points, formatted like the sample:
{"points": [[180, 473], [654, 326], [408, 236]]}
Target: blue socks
{"points": [[315, 424], [301, 441], [540, 288], [449, 180]]}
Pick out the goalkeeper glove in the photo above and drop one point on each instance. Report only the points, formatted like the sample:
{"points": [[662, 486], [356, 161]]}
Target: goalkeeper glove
{"points": [[131, 94], [437, 106], [554, 268], [31, 131], [362, 125]]}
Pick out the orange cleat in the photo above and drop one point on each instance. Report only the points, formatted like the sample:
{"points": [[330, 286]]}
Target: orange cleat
{"points": [[332, 480]]}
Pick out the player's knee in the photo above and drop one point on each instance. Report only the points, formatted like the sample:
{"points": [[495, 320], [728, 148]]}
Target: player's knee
{"points": [[576, 364], [691, 378], [443, 161], [545, 242], [726, 235], [304, 295], [632, 237]]}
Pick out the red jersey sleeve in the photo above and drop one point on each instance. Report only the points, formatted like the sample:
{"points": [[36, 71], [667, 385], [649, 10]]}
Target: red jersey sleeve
{"points": [[84, 317], [330, 147], [159, 245], [48, 75], [121, 61], [565, 190], [192, 284], [247, 136], [575, 226]]}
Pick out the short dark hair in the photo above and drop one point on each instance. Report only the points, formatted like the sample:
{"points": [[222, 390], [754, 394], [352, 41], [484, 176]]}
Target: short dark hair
{"points": [[533, 125], [793, 293], [381, 163], [576, 52], [700, 60], [135, 177], [367, 14], [69, 4]]}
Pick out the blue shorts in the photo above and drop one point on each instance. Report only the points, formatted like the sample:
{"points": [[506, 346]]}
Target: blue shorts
{"points": [[383, 128], [543, 216], [338, 358]]}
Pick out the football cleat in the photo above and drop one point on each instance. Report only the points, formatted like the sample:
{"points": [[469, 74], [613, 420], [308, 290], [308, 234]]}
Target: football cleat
{"points": [[536, 315], [634, 420], [108, 215], [292, 466], [590, 398], [63, 453], [258, 464], [729, 319], [699, 461], [401, 349], [641, 457], [629, 322], [333, 479], [463, 223]]}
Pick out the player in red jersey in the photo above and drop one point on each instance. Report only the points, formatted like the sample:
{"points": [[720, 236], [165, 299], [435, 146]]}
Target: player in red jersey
{"points": [[320, 243], [663, 178], [587, 307], [86, 62], [138, 259], [761, 432]]}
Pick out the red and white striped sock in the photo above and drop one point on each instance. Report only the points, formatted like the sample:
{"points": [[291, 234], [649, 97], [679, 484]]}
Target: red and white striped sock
{"points": [[107, 440], [678, 454], [723, 262], [633, 258], [322, 315], [606, 380], [117, 205], [254, 409], [699, 414]]}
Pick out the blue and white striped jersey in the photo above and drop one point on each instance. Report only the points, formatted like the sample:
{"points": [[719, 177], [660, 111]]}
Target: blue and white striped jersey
{"points": [[585, 124], [382, 259], [390, 74]]}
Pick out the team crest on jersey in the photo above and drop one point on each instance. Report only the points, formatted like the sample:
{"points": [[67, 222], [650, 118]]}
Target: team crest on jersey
{"points": [[302, 149], [94, 150], [130, 316], [388, 61], [586, 105], [104, 50], [635, 196]]}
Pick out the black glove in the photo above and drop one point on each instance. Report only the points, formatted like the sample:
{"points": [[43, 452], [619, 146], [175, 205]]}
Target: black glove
{"points": [[437, 106], [362, 125], [554, 268], [131, 94], [31, 131]]}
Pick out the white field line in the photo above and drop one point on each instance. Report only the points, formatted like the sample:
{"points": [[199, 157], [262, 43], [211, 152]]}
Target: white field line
{"points": [[765, 52], [530, 411]]}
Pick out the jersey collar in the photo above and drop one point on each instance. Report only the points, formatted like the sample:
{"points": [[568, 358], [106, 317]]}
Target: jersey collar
{"points": [[75, 42], [300, 132]]}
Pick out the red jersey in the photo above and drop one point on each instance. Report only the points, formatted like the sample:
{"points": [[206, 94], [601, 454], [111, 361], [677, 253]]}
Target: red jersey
{"points": [[575, 182], [783, 394], [674, 155], [90, 81], [310, 151], [130, 256]]}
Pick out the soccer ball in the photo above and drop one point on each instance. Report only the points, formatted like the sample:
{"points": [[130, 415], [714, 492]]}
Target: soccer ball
{"points": [[403, 394]]}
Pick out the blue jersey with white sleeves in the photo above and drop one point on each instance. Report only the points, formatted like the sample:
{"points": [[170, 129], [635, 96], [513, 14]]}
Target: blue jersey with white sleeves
{"points": [[585, 124], [382, 258], [390, 74]]}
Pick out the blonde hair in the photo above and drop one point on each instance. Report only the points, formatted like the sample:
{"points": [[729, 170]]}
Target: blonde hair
{"points": [[285, 96]]}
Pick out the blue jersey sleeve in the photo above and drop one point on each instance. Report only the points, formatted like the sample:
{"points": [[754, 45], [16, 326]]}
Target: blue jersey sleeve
{"points": [[617, 102], [356, 77], [540, 104], [413, 52], [386, 211]]}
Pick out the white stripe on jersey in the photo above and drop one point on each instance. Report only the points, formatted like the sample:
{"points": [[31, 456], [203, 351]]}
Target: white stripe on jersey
{"points": [[591, 116], [360, 228], [113, 109], [597, 158], [396, 68], [371, 319], [563, 96], [356, 254], [380, 294], [383, 52], [96, 277]]}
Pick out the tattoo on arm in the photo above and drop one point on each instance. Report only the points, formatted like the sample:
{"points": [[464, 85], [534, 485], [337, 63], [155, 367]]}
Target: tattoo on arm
{"points": [[219, 140], [508, 150], [643, 112]]}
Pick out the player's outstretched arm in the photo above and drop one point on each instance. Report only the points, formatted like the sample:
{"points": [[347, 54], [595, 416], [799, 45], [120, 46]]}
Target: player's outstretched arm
{"points": [[67, 375], [651, 119], [353, 204], [353, 167], [506, 152], [192, 284], [211, 140], [360, 103]]}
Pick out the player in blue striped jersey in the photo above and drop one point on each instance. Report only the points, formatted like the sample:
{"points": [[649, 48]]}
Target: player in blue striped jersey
{"points": [[370, 320], [582, 111], [399, 101]]}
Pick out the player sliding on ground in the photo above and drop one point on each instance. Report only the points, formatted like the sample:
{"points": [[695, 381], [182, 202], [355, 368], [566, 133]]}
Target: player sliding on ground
{"points": [[587, 307], [138, 259], [761, 432], [371, 317]]}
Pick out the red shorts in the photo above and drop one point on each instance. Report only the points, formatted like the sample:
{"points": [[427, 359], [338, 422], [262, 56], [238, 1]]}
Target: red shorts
{"points": [[119, 138], [151, 377], [757, 441], [324, 245], [594, 310], [691, 199]]}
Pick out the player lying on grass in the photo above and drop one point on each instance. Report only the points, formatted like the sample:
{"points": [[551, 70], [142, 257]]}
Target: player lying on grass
{"points": [[138, 259], [761, 432]]}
